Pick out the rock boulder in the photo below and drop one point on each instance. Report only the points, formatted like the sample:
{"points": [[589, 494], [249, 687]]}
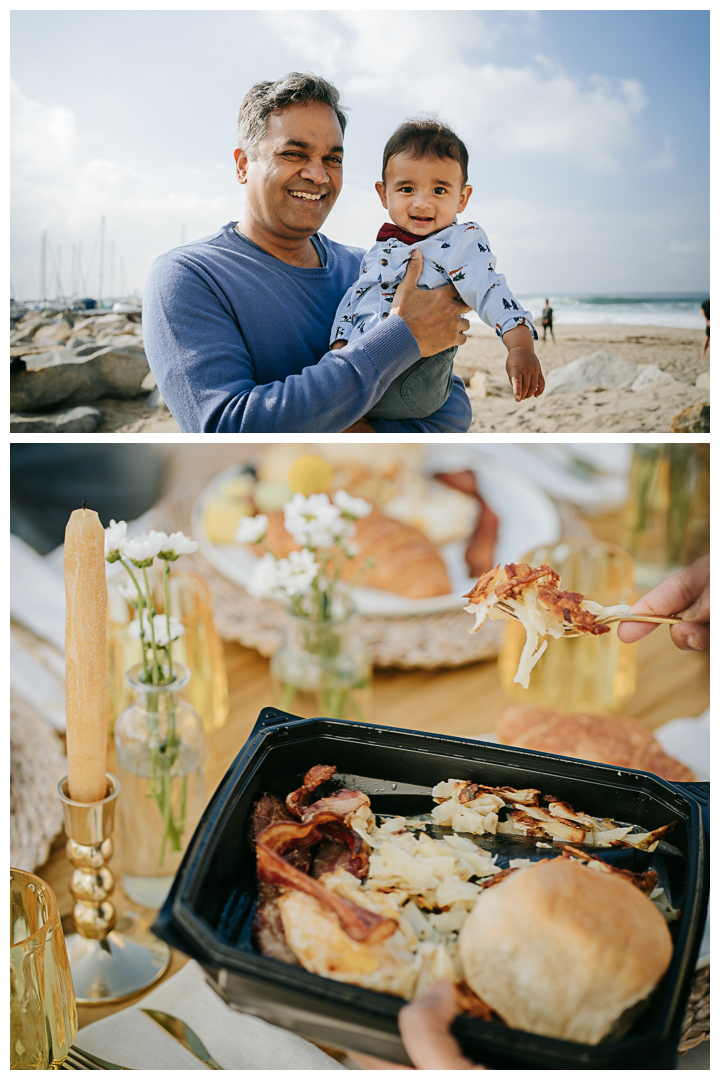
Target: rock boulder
{"points": [[81, 419], [693, 420], [599, 369], [63, 376], [650, 375], [54, 331]]}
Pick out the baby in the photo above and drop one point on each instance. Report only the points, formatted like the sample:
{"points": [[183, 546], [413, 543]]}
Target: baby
{"points": [[424, 187]]}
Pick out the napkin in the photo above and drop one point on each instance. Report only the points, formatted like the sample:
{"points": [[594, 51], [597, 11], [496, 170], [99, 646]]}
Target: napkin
{"points": [[37, 593], [688, 740], [37, 674], [234, 1039], [37, 603]]}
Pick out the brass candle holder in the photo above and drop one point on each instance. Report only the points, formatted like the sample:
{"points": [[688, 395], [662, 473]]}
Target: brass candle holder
{"points": [[111, 957]]}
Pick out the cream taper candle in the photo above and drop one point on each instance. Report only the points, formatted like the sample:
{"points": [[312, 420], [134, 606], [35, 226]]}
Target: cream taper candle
{"points": [[85, 656]]}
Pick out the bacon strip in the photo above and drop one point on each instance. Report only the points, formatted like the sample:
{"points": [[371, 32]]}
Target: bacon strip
{"points": [[296, 800], [646, 882], [525, 796], [342, 803], [520, 575], [480, 549], [267, 811], [566, 606], [357, 922], [351, 852], [488, 883]]}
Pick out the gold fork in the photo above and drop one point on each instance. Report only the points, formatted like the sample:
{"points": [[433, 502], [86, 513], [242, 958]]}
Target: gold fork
{"points": [[571, 631]]}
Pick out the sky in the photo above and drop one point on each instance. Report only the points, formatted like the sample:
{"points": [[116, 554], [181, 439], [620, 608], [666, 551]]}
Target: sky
{"points": [[588, 134]]}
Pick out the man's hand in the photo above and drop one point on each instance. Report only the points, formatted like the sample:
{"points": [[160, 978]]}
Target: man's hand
{"points": [[685, 593], [433, 316], [523, 366]]}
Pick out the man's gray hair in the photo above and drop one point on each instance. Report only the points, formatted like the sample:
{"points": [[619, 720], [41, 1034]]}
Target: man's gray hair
{"points": [[265, 98]]}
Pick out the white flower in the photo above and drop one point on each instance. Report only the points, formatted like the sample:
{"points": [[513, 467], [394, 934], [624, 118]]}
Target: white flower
{"points": [[251, 530], [314, 522], [114, 539], [351, 549], [297, 573], [129, 593], [159, 625], [264, 581], [173, 546], [354, 508], [141, 550]]}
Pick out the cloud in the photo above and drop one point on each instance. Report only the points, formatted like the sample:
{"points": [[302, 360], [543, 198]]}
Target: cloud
{"points": [[420, 65], [581, 153], [57, 186], [543, 245], [666, 158]]}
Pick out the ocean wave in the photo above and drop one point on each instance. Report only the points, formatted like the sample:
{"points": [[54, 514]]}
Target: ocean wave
{"points": [[679, 311]]}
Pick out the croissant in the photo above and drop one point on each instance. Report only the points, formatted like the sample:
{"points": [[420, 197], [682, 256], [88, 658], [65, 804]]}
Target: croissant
{"points": [[405, 562]]}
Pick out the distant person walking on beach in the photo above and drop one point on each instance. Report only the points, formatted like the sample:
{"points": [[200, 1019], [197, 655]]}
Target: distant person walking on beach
{"points": [[547, 317], [706, 312]]}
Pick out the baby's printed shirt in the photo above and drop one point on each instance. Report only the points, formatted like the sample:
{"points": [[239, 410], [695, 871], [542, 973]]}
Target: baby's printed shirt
{"points": [[459, 254]]}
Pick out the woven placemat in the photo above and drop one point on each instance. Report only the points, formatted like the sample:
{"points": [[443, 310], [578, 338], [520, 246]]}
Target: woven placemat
{"points": [[418, 641], [37, 764], [696, 1022]]}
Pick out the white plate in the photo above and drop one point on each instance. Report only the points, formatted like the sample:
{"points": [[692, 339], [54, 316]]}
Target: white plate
{"points": [[527, 518]]}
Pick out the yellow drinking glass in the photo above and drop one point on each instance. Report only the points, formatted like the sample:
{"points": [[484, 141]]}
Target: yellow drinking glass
{"points": [[666, 519], [592, 673], [43, 1017], [199, 648]]}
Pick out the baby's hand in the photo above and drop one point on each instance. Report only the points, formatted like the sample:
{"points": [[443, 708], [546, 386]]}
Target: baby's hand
{"points": [[338, 344], [524, 372], [523, 366]]}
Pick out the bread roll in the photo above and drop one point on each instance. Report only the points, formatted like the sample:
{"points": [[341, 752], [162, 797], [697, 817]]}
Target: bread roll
{"points": [[405, 561], [613, 740], [561, 950]]}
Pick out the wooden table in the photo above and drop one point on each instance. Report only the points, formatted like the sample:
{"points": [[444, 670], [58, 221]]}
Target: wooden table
{"points": [[461, 702]]}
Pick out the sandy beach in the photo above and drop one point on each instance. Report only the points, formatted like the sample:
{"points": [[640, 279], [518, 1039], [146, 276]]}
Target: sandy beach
{"points": [[677, 352], [133, 416]]}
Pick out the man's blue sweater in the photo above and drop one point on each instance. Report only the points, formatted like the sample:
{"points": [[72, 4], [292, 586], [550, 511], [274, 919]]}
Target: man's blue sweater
{"points": [[238, 342]]}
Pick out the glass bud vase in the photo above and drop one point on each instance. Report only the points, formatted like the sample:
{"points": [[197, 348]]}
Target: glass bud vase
{"points": [[160, 761], [321, 669]]}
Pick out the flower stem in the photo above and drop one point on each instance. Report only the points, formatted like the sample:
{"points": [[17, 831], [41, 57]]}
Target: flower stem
{"points": [[166, 595], [157, 675], [141, 607]]}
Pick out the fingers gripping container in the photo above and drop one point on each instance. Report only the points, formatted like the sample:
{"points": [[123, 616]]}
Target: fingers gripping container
{"points": [[208, 913]]}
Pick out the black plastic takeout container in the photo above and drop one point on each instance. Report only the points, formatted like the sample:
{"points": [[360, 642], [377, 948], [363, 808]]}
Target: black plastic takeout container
{"points": [[208, 913]]}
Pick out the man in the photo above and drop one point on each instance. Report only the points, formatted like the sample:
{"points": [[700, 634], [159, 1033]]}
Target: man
{"points": [[547, 320], [236, 326], [706, 313]]}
